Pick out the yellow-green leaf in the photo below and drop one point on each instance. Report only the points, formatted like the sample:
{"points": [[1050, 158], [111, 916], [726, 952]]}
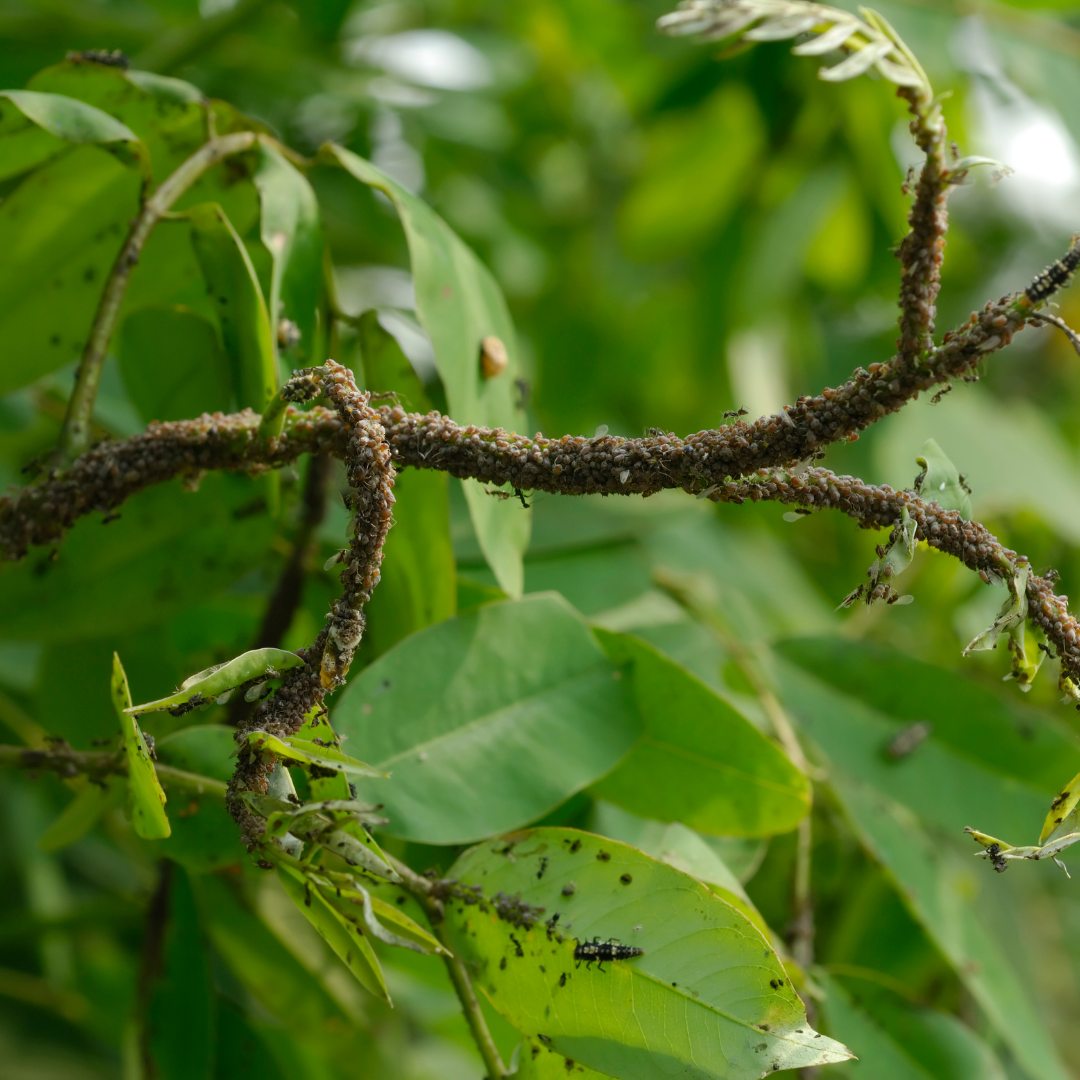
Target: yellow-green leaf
{"points": [[145, 796], [1063, 805]]}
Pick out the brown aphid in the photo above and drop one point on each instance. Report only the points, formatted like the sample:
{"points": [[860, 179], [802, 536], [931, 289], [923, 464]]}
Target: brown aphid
{"points": [[493, 357]]}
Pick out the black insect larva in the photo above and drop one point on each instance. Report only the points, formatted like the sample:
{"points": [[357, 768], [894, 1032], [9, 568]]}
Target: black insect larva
{"points": [[604, 951], [1054, 276]]}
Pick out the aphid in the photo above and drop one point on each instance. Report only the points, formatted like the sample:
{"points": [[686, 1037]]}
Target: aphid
{"points": [[604, 951], [540, 873], [998, 860], [1048, 281], [908, 740], [562, 978]]}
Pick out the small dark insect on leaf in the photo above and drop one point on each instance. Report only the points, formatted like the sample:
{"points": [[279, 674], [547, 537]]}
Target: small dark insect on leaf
{"points": [[908, 740], [602, 952], [998, 860], [562, 979]]}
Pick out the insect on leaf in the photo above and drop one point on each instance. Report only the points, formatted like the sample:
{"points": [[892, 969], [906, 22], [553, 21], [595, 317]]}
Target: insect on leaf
{"points": [[145, 796], [215, 681], [709, 997], [1063, 805]]}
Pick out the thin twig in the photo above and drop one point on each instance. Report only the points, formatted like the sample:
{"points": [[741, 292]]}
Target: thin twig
{"points": [[75, 433], [1061, 324], [61, 759], [421, 888]]}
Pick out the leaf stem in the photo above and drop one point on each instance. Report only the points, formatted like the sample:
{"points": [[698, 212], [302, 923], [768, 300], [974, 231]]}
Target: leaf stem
{"points": [[421, 888], [75, 433]]}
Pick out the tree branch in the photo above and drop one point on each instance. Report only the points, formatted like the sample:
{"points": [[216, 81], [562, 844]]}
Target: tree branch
{"points": [[75, 433]]}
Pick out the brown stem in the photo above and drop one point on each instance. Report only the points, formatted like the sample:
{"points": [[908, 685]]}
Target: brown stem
{"points": [[421, 888], [75, 433], [152, 961]]}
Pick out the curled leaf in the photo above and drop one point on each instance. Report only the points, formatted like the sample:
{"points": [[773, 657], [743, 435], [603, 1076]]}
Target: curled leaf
{"points": [[217, 680], [1012, 614]]}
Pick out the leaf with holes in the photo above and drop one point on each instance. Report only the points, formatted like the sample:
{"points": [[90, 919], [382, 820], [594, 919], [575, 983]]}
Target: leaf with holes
{"points": [[708, 998], [145, 797]]}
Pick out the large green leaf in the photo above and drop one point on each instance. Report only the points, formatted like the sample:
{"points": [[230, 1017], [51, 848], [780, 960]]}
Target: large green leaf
{"points": [[63, 227], [459, 304], [146, 800], [114, 579], [173, 364], [517, 693], [238, 304], [897, 1041], [292, 234], [972, 722], [699, 761], [709, 997], [939, 888]]}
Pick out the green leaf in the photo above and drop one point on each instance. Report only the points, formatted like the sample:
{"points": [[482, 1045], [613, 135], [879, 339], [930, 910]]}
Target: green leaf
{"points": [[459, 304], [67, 118], [346, 938], [81, 815], [939, 782], [698, 761], [299, 751], [173, 364], [292, 233], [939, 889], [518, 693], [63, 227], [898, 1043], [210, 684], [708, 998], [168, 115], [1064, 804], [114, 579], [238, 304], [940, 480], [181, 1006], [539, 1062], [972, 722], [145, 797]]}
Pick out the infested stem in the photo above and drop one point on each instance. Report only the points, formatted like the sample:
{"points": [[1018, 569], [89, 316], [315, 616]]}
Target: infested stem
{"points": [[75, 433], [59, 758], [421, 888]]}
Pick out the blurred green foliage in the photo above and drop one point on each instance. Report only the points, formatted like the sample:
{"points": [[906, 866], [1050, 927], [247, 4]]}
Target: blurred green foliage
{"points": [[675, 237]]}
